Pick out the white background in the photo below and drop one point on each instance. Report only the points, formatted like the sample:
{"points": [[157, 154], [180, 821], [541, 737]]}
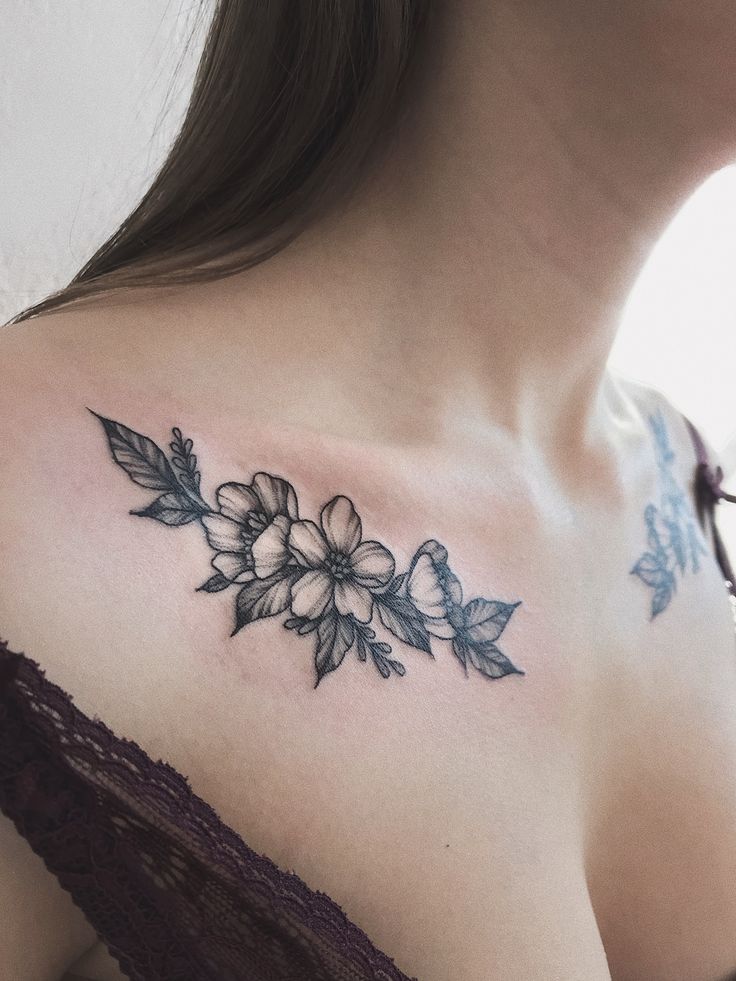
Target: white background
{"points": [[91, 94]]}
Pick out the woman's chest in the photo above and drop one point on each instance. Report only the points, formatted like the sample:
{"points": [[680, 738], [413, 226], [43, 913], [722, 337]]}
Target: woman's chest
{"points": [[662, 836], [499, 831], [448, 829], [585, 809], [518, 826]]}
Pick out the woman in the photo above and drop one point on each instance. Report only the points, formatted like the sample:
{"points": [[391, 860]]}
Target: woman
{"points": [[425, 605]]}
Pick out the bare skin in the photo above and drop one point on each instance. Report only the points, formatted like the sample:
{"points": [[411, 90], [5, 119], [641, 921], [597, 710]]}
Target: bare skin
{"points": [[438, 352], [568, 821]]}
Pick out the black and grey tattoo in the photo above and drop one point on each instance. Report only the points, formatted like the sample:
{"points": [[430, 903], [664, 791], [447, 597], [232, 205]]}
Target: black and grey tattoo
{"points": [[672, 534], [326, 576]]}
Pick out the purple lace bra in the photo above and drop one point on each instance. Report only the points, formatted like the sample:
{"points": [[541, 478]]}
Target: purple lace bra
{"points": [[172, 891]]}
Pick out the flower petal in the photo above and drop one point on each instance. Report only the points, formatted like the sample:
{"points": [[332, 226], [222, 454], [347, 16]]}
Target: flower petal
{"points": [[355, 599], [341, 525], [424, 589], [236, 500], [453, 587], [275, 494], [223, 534], [307, 543], [235, 566], [292, 507], [373, 565], [270, 549], [311, 593]]}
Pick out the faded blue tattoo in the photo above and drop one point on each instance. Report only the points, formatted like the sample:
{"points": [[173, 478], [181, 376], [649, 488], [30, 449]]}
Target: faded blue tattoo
{"points": [[672, 534]]}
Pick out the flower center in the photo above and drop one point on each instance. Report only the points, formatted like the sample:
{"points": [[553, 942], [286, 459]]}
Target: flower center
{"points": [[338, 565]]}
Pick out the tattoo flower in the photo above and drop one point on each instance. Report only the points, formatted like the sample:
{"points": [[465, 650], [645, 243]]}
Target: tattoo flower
{"points": [[435, 591], [341, 568], [672, 538], [326, 575], [249, 531]]}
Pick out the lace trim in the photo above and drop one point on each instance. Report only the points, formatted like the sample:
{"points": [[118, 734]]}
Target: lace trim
{"points": [[174, 892]]}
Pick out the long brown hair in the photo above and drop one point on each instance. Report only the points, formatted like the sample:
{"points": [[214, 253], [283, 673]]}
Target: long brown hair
{"points": [[291, 100]]}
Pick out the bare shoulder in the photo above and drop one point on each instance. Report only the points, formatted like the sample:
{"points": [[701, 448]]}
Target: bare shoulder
{"points": [[30, 365], [45, 360], [51, 363], [53, 366], [54, 350], [45, 930], [41, 370], [666, 420]]}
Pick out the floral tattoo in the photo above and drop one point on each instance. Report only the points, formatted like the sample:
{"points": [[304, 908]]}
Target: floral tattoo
{"points": [[672, 535], [332, 583]]}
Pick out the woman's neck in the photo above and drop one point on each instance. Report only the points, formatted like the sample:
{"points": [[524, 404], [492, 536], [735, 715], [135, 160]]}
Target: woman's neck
{"points": [[478, 278]]}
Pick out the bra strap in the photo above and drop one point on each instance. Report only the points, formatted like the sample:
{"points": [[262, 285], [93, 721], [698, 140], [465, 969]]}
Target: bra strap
{"points": [[708, 493]]}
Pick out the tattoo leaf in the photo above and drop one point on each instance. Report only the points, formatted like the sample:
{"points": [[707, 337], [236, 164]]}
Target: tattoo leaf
{"points": [[485, 620], [652, 569], [677, 544], [335, 636], [365, 642], [384, 663], [302, 625], [660, 600], [261, 598], [214, 584], [400, 616], [139, 456], [460, 650], [670, 528], [185, 461], [171, 509], [361, 646], [490, 661]]}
